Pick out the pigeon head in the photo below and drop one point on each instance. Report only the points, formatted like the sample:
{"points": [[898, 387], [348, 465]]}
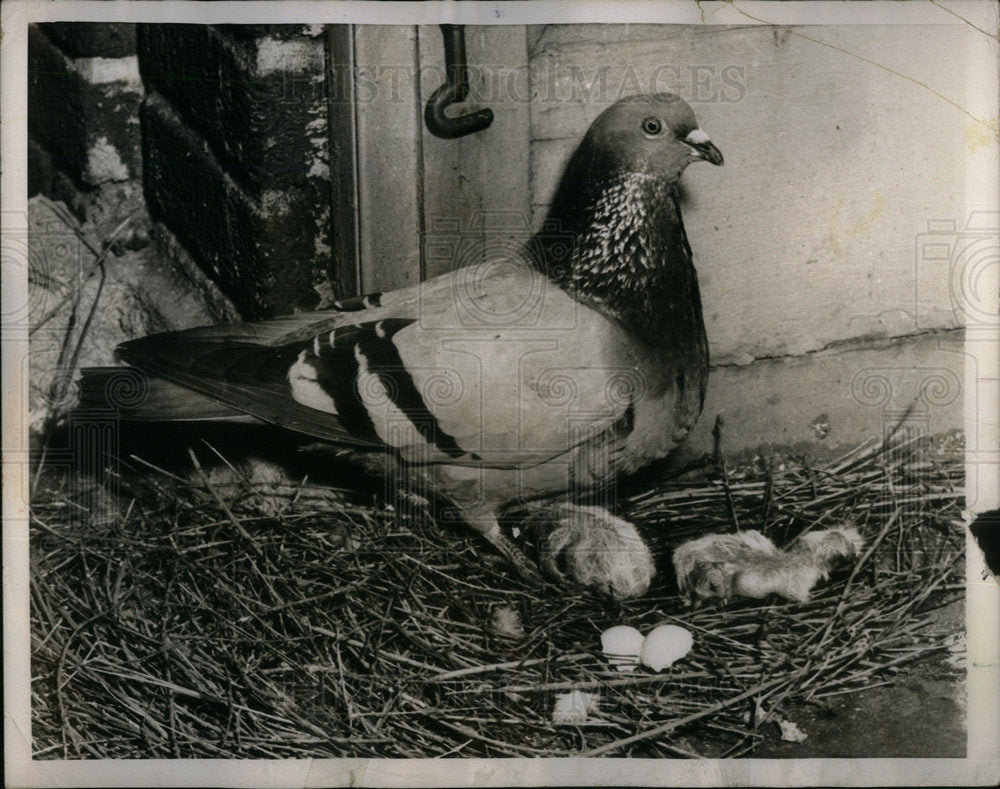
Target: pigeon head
{"points": [[655, 134], [618, 202]]}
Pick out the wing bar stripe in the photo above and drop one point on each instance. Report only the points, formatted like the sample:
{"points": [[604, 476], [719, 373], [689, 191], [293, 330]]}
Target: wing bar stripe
{"points": [[337, 375], [384, 360]]}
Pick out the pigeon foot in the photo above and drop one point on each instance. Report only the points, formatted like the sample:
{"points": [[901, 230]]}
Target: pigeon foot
{"points": [[590, 547]]}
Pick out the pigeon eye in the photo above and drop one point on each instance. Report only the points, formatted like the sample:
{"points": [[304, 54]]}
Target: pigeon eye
{"points": [[652, 127]]}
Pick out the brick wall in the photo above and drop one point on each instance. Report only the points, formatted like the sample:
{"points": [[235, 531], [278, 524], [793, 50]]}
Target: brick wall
{"points": [[235, 127], [226, 126], [84, 94]]}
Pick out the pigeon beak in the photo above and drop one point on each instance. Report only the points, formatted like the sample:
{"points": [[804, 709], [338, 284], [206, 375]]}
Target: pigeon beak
{"points": [[702, 147]]}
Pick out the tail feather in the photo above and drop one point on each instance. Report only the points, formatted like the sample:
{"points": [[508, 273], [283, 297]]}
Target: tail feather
{"points": [[133, 395]]}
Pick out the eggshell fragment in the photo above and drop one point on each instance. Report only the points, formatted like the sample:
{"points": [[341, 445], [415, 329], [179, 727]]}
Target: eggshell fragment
{"points": [[664, 645], [506, 621], [622, 644], [790, 732], [572, 709]]}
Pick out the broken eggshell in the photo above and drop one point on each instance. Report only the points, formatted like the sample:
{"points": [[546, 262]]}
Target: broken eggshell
{"points": [[573, 708], [622, 645], [790, 732], [664, 645]]}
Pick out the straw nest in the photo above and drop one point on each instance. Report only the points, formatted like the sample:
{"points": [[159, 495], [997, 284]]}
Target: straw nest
{"points": [[236, 614]]}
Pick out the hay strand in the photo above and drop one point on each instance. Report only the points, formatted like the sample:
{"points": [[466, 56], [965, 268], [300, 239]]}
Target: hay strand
{"points": [[208, 620]]}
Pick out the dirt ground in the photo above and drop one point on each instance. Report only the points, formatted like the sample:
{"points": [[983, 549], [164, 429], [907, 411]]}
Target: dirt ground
{"points": [[921, 715]]}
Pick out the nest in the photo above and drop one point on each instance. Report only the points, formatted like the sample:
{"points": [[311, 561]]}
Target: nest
{"points": [[198, 617]]}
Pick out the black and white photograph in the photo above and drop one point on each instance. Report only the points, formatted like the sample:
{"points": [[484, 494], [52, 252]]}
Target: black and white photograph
{"points": [[501, 393]]}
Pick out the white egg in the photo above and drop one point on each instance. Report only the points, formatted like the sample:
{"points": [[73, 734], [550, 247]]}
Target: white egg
{"points": [[664, 645], [622, 645]]}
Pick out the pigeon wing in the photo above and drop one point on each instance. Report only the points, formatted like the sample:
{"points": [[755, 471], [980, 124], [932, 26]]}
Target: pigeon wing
{"points": [[491, 365]]}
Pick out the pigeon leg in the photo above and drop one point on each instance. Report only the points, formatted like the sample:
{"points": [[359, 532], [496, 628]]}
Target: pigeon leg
{"points": [[489, 527], [483, 523]]}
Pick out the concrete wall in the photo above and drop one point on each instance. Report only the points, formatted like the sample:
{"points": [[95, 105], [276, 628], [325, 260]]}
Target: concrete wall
{"points": [[834, 166]]}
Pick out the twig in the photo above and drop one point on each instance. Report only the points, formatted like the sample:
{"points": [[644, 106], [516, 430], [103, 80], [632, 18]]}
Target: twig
{"points": [[670, 726]]}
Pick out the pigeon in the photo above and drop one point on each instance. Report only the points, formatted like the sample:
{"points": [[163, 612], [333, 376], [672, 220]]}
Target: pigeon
{"points": [[550, 370], [748, 564]]}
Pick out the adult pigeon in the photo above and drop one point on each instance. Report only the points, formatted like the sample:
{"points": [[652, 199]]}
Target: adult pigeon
{"points": [[551, 371]]}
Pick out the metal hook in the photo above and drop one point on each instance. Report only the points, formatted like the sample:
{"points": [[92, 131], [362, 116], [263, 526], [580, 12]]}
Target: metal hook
{"points": [[454, 91]]}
